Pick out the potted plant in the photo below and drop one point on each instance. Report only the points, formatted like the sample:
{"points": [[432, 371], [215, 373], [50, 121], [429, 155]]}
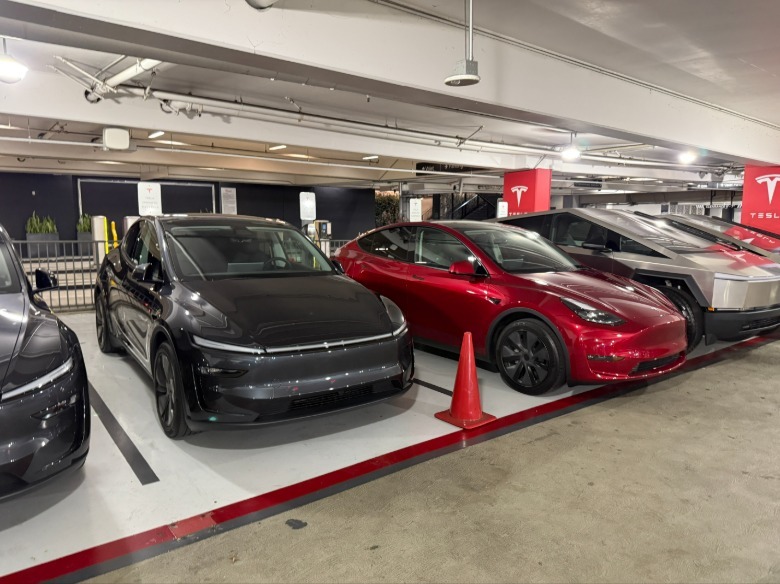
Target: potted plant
{"points": [[84, 234], [41, 231]]}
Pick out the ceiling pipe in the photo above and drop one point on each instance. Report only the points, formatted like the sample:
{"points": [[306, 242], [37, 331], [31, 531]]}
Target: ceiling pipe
{"points": [[142, 66], [222, 107]]}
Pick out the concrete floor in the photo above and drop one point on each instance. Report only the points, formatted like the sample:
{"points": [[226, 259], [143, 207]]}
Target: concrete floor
{"points": [[676, 483]]}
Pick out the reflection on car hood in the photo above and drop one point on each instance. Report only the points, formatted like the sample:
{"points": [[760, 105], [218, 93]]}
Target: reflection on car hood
{"points": [[281, 311], [11, 317], [627, 299], [744, 263]]}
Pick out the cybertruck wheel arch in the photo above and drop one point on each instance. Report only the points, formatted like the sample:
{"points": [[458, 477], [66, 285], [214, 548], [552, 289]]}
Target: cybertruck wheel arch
{"points": [[686, 283]]}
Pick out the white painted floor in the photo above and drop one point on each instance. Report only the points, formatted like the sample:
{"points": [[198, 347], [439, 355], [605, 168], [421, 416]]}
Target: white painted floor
{"points": [[105, 501]]}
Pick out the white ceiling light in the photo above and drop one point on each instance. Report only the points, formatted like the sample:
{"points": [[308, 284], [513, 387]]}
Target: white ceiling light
{"points": [[171, 142], [11, 70], [687, 157], [156, 134], [207, 168], [278, 147], [571, 152], [372, 157], [108, 162]]}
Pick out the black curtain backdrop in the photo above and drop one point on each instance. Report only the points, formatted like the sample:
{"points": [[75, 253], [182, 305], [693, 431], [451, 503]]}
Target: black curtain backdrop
{"points": [[351, 211]]}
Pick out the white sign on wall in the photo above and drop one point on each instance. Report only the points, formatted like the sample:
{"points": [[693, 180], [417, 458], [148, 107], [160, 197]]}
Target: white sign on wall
{"points": [[502, 210], [308, 207], [149, 199], [228, 197], [415, 209]]}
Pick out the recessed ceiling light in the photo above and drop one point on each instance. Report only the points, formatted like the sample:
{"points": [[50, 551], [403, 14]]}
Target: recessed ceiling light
{"points": [[11, 70], [171, 142], [372, 157], [278, 147], [156, 134], [687, 157]]}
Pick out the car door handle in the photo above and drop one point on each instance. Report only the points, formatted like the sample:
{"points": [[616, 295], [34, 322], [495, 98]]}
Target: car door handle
{"points": [[416, 277]]}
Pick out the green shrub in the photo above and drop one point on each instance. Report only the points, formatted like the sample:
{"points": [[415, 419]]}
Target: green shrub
{"points": [[84, 224], [37, 224], [386, 209]]}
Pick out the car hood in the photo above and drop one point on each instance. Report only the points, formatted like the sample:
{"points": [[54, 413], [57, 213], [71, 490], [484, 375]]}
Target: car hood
{"points": [[283, 311], [722, 260], [620, 296], [11, 318]]}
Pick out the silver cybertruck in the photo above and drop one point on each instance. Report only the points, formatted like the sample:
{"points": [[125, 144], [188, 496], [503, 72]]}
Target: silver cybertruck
{"points": [[724, 291]]}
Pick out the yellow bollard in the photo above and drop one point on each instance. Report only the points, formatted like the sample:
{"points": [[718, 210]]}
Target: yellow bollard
{"points": [[113, 233], [105, 230]]}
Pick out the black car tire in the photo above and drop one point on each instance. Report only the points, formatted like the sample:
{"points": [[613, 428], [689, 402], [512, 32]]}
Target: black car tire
{"points": [[169, 393], [690, 309], [106, 341], [529, 357]]}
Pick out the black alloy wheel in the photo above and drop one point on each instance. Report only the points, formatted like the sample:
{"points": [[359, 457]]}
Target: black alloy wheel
{"points": [[690, 309], [169, 393], [529, 358], [105, 342]]}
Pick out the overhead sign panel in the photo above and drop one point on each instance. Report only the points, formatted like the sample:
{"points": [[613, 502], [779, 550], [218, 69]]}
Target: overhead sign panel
{"points": [[308, 207]]}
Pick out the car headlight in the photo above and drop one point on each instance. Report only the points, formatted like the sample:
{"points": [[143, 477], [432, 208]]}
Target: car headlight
{"points": [[591, 313], [42, 381], [397, 317]]}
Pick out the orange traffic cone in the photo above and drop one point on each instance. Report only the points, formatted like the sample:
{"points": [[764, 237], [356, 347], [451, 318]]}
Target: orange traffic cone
{"points": [[466, 409]]}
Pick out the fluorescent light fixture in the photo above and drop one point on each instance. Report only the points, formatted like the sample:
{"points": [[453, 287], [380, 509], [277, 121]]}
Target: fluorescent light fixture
{"points": [[687, 157], [372, 157], [303, 156], [11, 70], [278, 147], [641, 179], [171, 142], [155, 134], [207, 168], [108, 162], [571, 152]]}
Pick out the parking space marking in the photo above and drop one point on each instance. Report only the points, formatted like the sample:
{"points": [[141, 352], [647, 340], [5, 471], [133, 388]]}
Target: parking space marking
{"points": [[129, 450], [122, 552], [432, 386]]}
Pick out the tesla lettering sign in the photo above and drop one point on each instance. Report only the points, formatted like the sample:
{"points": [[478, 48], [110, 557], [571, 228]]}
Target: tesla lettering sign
{"points": [[761, 197], [527, 191], [149, 199]]}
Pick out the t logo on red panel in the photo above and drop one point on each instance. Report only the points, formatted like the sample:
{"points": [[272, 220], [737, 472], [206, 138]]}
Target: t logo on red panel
{"points": [[770, 180], [760, 206], [518, 191]]}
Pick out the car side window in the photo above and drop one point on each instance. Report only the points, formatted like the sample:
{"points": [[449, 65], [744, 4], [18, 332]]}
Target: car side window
{"points": [[437, 249], [131, 240], [575, 231], [394, 243], [147, 251], [629, 245]]}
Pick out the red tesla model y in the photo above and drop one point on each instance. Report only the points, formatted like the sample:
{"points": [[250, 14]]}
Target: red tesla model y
{"points": [[537, 316]]}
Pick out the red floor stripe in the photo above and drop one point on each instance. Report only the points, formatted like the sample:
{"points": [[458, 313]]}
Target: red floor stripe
{"points": [[109, 551]]}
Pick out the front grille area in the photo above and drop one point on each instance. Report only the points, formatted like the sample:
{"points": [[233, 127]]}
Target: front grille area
{"points": [[763, 323], [655, 364], [330, 399]]}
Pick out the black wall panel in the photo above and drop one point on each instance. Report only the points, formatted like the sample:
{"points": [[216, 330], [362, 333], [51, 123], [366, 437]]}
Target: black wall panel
{"points": [[21, 194], [350, 211]]}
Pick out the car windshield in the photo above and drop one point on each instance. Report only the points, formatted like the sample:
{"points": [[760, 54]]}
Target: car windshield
{"points": [[742, 233], [519, 251], [230, 248], [9, 280], [657, 231]]}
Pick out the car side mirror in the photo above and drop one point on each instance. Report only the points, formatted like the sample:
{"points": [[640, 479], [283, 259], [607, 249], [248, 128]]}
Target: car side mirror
{"points": [[44, 280], [462, 268], [338, 266], [145, 273], [596, 247]]}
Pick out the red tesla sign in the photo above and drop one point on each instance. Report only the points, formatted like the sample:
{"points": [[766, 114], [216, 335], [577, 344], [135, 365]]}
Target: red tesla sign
{"points": [[761, 197], [527, 191]]}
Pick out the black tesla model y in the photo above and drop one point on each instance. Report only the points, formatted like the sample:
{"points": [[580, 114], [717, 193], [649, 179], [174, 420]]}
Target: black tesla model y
{"points": [[44, 401], [243, 321]]}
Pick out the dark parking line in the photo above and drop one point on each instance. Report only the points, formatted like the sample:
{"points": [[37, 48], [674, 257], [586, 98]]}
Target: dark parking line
{"points": [[433, 387], [126, 446]]}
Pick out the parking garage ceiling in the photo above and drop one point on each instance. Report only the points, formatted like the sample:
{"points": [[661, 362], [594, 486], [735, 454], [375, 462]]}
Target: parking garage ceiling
{"points": [[334, 132]]}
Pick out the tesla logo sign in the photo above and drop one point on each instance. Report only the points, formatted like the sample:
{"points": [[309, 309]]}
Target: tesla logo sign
{"points": [[760, 206], [518, 191], [527, 191], [770, 180], [149, 199]]}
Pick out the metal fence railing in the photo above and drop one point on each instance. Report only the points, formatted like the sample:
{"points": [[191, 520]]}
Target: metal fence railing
{"points": [[75, 263]]}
